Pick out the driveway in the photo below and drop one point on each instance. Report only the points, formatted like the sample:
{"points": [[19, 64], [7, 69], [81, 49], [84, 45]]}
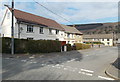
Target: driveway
{"points": [[89, 64]]}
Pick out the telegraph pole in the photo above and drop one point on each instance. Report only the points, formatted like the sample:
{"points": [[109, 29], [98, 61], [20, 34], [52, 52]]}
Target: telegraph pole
{"points": [[12, 29]]}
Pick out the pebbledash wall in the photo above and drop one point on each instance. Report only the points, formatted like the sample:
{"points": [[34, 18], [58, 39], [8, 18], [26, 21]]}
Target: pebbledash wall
{"points": [[20, 31]]}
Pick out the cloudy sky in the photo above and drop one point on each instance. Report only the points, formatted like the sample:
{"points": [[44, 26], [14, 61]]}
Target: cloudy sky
{"points": [[77, 12]]}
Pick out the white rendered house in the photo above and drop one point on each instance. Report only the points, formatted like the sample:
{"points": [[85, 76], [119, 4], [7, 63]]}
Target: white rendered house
{"points": [[106, 39], [30, 26]]}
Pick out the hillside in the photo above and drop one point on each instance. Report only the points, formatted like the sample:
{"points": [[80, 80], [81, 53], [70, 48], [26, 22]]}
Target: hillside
{"points": [[98, 28]]}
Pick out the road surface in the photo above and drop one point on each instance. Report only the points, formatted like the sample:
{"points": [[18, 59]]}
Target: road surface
{"points": [[87, 64]]}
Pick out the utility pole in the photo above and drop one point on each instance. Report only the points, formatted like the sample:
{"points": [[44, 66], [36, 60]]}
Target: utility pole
{"points": [[12, 29], [113, 39]]}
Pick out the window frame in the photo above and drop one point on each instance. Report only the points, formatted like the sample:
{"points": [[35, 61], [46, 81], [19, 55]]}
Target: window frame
{"points": [[41, 30], [57, 31], [29, 28], [50, 31]]}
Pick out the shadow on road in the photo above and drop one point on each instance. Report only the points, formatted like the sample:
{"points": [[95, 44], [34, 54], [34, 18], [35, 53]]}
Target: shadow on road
{"points": [[13, 66]]}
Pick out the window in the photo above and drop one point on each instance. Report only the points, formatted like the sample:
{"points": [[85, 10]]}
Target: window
{"points": [[68, 35], [107, 39], [30, 38], [68, 42], [102, 39], [57, 31], [29, 28], [50, 31], [108, 43], [41, 30], [57, 39]]}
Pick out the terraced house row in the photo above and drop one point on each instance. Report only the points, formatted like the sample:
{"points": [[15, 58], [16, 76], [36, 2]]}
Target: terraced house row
{"points": [[30, 26]]}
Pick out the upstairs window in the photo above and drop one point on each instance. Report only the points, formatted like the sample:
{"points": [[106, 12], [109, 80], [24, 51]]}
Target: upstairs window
{"points": [[107, 39], [29, 28], [57, 31], [41, 30], [50, 31], [68, 35]]}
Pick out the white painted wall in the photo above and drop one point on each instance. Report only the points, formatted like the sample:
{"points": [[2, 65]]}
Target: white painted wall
{"points": [[106, 42], [102, 41], [6, 25]]}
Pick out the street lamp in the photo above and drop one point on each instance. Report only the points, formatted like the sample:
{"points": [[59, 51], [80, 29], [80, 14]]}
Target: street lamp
{"points": [[12, 29]]}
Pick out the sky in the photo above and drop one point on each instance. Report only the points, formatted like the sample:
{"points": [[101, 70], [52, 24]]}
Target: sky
{"points": [[76, 11]]}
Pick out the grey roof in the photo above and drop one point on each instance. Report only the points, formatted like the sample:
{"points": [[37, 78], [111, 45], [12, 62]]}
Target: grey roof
{"points": [[70, 29], [99, 36]]}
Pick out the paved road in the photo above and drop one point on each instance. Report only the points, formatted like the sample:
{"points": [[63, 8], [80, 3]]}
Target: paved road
{"points": [[87, 64]]}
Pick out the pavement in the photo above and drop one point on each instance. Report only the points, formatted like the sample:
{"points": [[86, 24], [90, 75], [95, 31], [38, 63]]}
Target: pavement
{"points": [[89, 64], [113, 72]]}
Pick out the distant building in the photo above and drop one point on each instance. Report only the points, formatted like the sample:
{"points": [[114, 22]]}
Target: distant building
{"points": [[72, 35], [30, 26], [106, 39]]}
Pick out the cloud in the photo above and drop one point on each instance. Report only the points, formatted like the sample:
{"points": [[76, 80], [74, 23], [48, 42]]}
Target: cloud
{"points": [[80, 11], [75, 12]]}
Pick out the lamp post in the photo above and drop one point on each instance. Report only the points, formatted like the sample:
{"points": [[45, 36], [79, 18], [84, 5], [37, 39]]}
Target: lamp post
{"points": [[12, 29]]}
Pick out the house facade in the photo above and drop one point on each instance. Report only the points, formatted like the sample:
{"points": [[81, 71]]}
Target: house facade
{"points": [[72, 35], [30, 26], [106, 39]]}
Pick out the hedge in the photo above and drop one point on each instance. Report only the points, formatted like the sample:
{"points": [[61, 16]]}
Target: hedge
{"points": [[31, 46], [80, 46], [69, 47]]}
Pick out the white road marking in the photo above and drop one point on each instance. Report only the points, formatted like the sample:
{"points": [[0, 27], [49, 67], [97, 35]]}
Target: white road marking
{"points": [[87, 70], [106, 78], [89, 74], [83, 72]]}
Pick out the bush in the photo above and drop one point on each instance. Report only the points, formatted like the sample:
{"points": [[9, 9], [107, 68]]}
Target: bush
{"points": [[69, 47], [80, 46], [31, 46], [20, 45], [6, 45]]}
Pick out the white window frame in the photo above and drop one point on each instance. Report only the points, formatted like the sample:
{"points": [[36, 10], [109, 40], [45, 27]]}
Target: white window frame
{"points": [[41, 30], [50, 31], [57, 31], [29, 28]]}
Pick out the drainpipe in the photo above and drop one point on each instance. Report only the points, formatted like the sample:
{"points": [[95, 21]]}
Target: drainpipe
{"points": [[19, 30]]}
